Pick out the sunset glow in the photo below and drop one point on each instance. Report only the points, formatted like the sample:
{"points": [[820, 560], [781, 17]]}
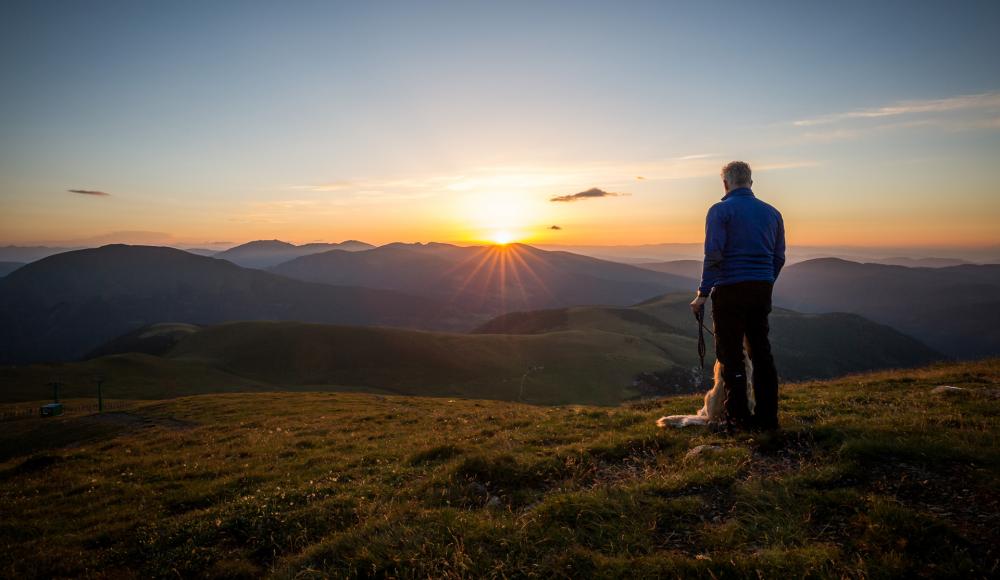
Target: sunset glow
{"points": [[431, 134], [502, 238]]}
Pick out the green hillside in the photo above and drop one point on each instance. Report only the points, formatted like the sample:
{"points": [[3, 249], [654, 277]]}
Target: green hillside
{"points": [[583, 355], [805, 346], [874, 476], [595, 367]]}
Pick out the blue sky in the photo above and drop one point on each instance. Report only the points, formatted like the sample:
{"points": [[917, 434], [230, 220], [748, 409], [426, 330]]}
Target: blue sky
{"points": [[869, 123]]}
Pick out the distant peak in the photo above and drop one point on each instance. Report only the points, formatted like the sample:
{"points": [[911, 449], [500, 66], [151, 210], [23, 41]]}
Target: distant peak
{"points": [[264, 244]]}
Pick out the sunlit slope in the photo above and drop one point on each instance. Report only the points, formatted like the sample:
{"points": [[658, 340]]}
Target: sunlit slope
{"points": [[805, 345], [576, 355], [581, 367], [874, 476]]}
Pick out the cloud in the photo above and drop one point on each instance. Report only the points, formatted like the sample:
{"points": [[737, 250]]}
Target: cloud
{"points": [[978, 102], [555, 227], [89, 192], [590, 193], [136, 237], [378, 185]]}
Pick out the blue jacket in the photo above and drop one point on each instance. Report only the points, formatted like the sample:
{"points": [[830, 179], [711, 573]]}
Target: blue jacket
{"points": [[744, 240]]}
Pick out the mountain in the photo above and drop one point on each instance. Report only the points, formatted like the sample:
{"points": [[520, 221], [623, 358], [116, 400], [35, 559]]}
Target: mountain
{"points": [[921, 262], [954, 309], [487, 279], [872, 476], [28, 253], [580, 355], [634, 254], [201, 251], [686, 268], [266, 253], [66, 305], [155, 339], [805, 345], [594, 367], [8, 267]]}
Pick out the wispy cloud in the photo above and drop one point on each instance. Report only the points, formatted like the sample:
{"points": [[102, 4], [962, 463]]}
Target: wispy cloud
{"points": [[555, 227], [978, 102], [528, 180], [379, 185], [89, 192], [591, 193]]}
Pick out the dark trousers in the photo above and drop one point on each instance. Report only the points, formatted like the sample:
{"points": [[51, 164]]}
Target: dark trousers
{"points": [[740, 310]]}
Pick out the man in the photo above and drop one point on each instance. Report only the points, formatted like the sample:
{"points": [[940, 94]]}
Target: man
{"points": [[744, 253]]}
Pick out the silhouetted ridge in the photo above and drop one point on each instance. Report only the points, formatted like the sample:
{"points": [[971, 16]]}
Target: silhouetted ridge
{"points": [[66, 305]]}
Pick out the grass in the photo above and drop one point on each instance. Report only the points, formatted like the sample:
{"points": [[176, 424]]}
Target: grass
{"points": [[873, 476], [583, 355]]}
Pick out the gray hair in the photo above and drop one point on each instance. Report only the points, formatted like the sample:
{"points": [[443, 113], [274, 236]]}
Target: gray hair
{"points": [[737, 174]]}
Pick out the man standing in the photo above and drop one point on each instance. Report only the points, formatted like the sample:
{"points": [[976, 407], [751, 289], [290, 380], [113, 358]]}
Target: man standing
{"points": [[744, 253]]}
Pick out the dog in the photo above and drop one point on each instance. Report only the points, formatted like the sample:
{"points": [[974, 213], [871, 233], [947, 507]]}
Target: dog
{"points": [[714, 409]]}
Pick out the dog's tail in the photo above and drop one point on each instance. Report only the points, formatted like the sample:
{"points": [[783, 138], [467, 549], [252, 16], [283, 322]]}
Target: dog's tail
{"points": [[681, 421]]}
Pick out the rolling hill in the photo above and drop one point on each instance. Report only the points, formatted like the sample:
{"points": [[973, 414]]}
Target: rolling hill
{"points": [[491, 280], [581, 355], [8, 267], [805, 345], [64, 306], [873, 476], [686, 268], [266, 253], [27, 254], [955, 309], [595, 367]]}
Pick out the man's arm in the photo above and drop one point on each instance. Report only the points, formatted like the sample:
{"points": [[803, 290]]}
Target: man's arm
{"points": [[715, 243], [779, 248]]}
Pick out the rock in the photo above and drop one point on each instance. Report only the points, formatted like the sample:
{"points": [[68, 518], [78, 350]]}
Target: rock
{"points": [[702, 450], [493, 502], [946, 390]]}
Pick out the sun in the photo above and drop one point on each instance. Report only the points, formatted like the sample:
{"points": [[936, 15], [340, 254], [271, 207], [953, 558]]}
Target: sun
{"points": [[502, 238]]}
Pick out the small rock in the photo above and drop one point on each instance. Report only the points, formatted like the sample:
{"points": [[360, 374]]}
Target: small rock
{"points": [[493, 502], [702, 450], [946, 389]]}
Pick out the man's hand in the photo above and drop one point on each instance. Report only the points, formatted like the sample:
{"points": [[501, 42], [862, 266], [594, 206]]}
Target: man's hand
{"points": [[698, 305]]}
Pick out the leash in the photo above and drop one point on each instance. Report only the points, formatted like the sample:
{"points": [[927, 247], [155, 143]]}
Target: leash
{"points": [[702, 329]]}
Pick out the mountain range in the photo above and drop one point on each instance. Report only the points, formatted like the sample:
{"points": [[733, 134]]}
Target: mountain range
{"points": [[487, 280], [267, 253], [66, 305], [954, 309], [591, 323]]}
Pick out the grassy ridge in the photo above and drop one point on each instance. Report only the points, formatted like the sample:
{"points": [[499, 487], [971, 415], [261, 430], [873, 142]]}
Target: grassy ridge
{"points": [[587, 355], [594, 367], [874, 476]]}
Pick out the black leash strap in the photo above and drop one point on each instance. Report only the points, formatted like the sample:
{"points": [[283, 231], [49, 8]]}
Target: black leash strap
{"points": [[700, 317]]}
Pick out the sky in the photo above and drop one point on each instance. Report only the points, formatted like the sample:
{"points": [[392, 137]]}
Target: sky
{"points": [[606, 123]]}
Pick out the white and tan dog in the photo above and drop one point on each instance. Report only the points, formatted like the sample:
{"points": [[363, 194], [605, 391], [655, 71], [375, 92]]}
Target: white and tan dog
{"points": [[714, 409]]}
